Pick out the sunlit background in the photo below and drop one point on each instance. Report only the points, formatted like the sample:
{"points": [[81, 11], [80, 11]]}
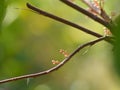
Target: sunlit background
{"points": [[29, 42]]}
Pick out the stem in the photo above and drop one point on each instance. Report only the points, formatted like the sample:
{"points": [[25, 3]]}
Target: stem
{"points": [[55, 67], [62, 20], [85, 12], [41, 12]]}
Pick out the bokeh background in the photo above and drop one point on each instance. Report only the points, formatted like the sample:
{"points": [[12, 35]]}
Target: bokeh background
{"points": [[29, 42]]}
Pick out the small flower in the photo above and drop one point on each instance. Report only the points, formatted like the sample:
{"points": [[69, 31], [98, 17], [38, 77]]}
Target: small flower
{"points": [[65, 53], [107, 32], [55, 62], [94, 5]]}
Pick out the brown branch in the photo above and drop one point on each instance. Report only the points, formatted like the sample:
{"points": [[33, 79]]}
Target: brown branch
{"points": [[41, 12], [55, 67], [85, 12]]}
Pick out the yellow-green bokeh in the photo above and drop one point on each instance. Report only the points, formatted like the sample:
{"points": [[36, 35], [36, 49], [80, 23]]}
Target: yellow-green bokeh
{"points": [[29, 42]]}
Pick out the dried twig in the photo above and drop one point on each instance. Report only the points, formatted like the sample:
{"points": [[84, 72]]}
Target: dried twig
{"points": [[55, 67]]}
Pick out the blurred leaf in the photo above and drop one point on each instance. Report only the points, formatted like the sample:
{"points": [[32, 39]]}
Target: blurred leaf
{"points": [[2, 11], [28, 81], [117, 45]]}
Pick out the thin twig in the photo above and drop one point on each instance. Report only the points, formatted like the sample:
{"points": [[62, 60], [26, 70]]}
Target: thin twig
{"points": [[99, 11], [55, 67], [85, 12], [41, 12]]}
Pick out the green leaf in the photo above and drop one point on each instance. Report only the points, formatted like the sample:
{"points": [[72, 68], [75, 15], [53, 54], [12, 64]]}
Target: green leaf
{"points": [[2, 11], [116, 29]]}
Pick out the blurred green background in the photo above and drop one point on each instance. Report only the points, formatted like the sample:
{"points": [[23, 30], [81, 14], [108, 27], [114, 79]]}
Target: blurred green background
{"points": [[29, 42]]}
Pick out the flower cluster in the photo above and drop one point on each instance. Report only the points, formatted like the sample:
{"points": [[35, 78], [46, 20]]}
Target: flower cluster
{"points": [[64, 52], [55, 62]]}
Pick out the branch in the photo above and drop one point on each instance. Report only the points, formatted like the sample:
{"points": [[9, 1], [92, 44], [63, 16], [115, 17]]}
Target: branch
{"points": [[85, 12], [55, 67], [41, 12], [62, 20]]}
